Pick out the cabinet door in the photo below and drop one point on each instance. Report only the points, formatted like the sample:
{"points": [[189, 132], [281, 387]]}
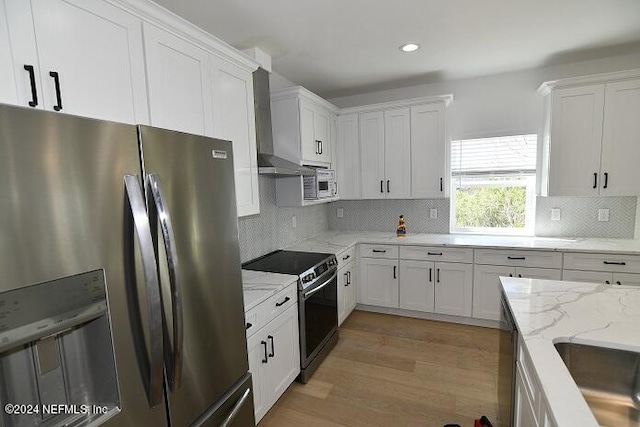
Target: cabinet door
{"points": [[308, 141], [576, 141], [427, 151], [417, 280], [258, 358], [343, 284], [8, 93], [96, 49], [234, 120], [524, 413], [453, 288], [626, 279], [372, 155], [322, 130], [378, 282], [539, 273], [351, 290], [586, 276], [486, 290], [621, 139], [179, 77], [348, 158], [397, 153], [284, 352]]}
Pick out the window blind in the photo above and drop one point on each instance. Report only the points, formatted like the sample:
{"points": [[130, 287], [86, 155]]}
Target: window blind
{"points": [[494, 156]]}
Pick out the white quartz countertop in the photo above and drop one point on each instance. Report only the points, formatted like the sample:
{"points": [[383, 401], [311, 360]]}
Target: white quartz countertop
{"points": [[548, 311], [258, 286], [337, 241]]}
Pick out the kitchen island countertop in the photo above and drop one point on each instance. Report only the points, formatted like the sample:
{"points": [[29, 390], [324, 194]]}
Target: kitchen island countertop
{"points": [[547, 312]]}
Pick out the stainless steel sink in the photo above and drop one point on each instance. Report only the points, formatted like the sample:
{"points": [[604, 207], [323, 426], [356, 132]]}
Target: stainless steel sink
{"points": [[609, 381]]}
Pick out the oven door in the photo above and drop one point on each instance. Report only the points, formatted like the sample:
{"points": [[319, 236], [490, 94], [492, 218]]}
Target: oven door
{"points": [[318, 305]]}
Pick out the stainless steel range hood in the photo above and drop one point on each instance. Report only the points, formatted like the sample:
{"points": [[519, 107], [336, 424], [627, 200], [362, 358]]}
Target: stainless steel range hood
{"points": [[268, 162]]}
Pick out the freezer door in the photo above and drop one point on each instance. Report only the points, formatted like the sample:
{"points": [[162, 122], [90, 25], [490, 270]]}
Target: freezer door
{"points": [[235, 409], [196, 178], [64, 211]]}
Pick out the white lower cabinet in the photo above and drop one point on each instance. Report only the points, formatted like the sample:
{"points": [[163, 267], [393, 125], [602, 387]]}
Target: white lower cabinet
{"points": [[378, 282], [417, 290], [525, 414], [453, 288], [486, 286], [626, 279], [274, 359], [346, 291]]}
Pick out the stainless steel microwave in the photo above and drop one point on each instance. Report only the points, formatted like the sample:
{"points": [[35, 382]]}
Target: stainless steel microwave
{"points": [[321, 186]]}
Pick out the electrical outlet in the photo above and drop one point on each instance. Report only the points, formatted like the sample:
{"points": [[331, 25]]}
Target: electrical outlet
{"points": [[294, 221], [340, 212], [556, 213], [603, 215], [433, 213]]}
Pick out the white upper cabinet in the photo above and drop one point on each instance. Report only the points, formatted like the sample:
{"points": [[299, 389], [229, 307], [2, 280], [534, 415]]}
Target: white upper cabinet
{"points": [[428, 148], [372, 155], [397, 153], [179, 75], [234, 120], [302, 126], [576, 141], [621, 139], [593, 135], [8, 93], [348, 157], [86, 58]]}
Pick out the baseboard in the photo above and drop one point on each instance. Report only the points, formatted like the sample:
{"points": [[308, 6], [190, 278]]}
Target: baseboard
{"points": [[431, 316]]}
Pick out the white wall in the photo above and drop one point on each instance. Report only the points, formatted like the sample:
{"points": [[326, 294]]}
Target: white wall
{"points": [[496, 104], [278, 81]]}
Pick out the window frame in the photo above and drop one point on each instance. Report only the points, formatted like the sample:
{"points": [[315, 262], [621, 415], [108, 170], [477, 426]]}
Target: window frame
{"points": [[531, 188]]}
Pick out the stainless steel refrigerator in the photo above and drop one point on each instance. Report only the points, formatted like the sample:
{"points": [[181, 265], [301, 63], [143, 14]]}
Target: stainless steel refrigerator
{"points": [[120, 283]]}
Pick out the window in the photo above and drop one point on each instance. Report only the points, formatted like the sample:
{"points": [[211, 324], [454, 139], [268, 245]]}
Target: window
{"points": [[493, 184]]}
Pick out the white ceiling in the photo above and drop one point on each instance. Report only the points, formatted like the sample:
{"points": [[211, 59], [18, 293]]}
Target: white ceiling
{"points": [[341, 47]]}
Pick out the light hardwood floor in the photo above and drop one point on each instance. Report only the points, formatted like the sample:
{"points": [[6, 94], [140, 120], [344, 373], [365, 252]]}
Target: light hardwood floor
{"points": [[397, 371]]}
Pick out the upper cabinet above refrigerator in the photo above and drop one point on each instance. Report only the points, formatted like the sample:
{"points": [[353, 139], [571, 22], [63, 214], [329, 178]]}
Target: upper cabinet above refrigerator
{"points": [[76, 57]]}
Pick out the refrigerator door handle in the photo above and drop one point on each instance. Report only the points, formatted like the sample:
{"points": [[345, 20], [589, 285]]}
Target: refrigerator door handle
{"points": [[161, 214], [236, 408], [147, 254]]}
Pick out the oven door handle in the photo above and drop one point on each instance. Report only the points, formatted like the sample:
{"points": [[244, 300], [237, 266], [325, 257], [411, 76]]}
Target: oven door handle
{"points": [[314, 290]]}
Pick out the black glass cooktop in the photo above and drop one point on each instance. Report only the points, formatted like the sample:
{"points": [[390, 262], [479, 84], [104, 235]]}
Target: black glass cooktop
{"points": [[286, 262]]}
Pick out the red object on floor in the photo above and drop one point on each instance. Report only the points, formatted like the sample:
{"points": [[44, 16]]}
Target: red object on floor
{"points": [[477, 423]]}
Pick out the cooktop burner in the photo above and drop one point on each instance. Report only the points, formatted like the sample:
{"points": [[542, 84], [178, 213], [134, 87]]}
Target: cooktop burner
{"points": [[287, 262]]}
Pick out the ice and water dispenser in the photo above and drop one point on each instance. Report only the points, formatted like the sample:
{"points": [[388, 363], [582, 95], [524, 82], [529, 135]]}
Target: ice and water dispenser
{"points": [[57, 364]]}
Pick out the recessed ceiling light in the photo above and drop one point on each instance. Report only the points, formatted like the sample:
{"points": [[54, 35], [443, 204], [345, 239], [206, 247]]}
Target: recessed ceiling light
{"points": [[409, 47]]}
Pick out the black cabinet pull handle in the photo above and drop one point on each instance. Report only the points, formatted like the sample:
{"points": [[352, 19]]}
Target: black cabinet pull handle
{"points": [[618, 283], [266, 358], [607, 282], [56, 81], [348, 277], [32, 80], [388, 186], [440, 184], [379, 251], [248, 325], [438, 275], [516, 257], [381, 184], [606, 180], [346, 257], [321, 148], [273, 350], [434, 253], [394, 272], [520, 276], [595, 180], [317, 146], [430, 277], [615, 263], [510, 275], [278, 304]]}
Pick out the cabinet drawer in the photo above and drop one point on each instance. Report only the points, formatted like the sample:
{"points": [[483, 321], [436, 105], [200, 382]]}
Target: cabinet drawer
{"points": [[426, 253], [602, 262], [346, 256], [518, 258], [252, 320], [268, 310], [379, 251], [626, 279], [528, 376]]}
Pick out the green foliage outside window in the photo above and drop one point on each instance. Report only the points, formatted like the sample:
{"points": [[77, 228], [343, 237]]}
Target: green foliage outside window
{"points": [[491, 207]]}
